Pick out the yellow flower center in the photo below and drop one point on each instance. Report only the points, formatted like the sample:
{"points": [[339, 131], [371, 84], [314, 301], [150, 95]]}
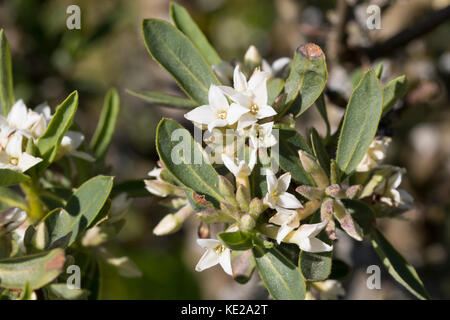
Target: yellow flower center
{"points": [[219, 249], [254, 108], [222, 115], [14, 161]]}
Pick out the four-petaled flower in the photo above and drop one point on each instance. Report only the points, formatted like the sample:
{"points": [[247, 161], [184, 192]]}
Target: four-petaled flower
{"points": [[277, 198], [218, 113], [305, 238], [216, 253], [13, 158]]}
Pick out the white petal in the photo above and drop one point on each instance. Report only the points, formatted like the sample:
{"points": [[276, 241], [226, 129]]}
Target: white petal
{"points": [[265, 112], [208, 243], [76, 138], [271, 180], [257, 80], [18, 114], [246, 120], [280, 218], [203, 115], [279, 64], [235, 112], [289, 201], [314, 245], [311, 230], [217, 100], [209, 259], [283, 182], [253, 158], [229, 91], [14, 146], [230, 165], [225, 261], [239, 80], [283, 232], [27, 161], [242, 99], [217, 123]]}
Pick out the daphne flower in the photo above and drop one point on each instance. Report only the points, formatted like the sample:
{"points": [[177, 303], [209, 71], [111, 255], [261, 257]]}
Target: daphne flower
{"points": [[241, 168], [216, 253], [305, 238], [13, 158], [287, 223], [389, 192], [277, 198], [261, 135], [375, 155], [69, 145], [26, 121], [251, 95], [277, 66], [218, 113], [159, 187]]}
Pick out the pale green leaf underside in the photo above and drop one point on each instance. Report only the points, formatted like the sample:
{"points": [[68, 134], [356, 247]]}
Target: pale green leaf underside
{"points": [[6, 81], [165, 100]]}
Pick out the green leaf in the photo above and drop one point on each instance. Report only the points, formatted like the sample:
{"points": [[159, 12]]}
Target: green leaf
{"points": [[322, 108], [6, 81], [360, 123], [281, 277], [319, 151], [133, 188], [9, 198], [10, 177], [37, 269], [176, 53], [238, 240], [187, 25], [392, 91], [306, 80], [274, 88], [290, 141], [26, 292], [379, 70], [82, 208], [49, 142], [316, 266], [361, 213], [106, 125], [397, 266], [243, 265], [165, 100], [184, 159]]}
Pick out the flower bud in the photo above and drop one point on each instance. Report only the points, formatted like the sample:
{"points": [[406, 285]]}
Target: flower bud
{"points": [[203, 231], [353, 191], [314, 169], [252, 58], [243, 197], [335, 191], [226, 187], [310, 193], [169, 224], [256, 207], [247, 222]]}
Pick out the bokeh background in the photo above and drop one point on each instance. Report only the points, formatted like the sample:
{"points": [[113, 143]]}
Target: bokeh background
{"points": [[50, 61]]}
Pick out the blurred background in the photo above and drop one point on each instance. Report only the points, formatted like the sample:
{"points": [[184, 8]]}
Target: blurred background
{"points": [[50, 61]]}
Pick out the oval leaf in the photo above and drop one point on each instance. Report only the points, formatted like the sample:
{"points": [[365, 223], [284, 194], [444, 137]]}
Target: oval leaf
{"points": [[165, 100], [360, 122], [6, 80], [281, 277], [11, 177], [238, 240], [38, 270], [176, 53]]}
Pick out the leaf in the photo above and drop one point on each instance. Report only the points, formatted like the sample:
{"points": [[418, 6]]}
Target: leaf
{"points": [[165, 100], [360, 123], [49, 142], [26, 293], [9, 198], [321, 107], [379, 70], [238, 240], [187, 25], [392, 91], [397, 266], [37, 269], [361, 213], [281, 277], [10, 177], [106, 124], [339, 270], [176, 53], [258, 182], [289, 142], [306, 80], [62, 291], [316, 266], [319, 151], [6, 80], [274, 88], [184, 159], [81, 209]]}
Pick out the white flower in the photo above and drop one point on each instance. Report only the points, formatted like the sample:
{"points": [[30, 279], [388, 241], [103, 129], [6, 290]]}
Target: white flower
{"points": [[261, 135], [251, 95], [26, 121], [13, 158], [6, 132], [305, 238], [287, 223], [159, 187], [242, 169], [70, 143], [277, 198], [218, 113], [329, 289], [216, 253], [389, 193], [375, 155]]}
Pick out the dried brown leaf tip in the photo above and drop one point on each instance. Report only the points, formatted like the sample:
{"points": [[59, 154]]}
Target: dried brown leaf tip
{"points": [[201, 199], [310, 50]]}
